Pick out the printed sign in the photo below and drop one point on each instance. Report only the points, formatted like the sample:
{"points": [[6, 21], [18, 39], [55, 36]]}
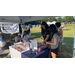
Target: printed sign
{"points": [[10, 28]]}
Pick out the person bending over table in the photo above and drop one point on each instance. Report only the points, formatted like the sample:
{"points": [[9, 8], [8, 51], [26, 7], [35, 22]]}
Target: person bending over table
{"points": [[45, 33], [26, 36], [55, 37], [3, 43]]}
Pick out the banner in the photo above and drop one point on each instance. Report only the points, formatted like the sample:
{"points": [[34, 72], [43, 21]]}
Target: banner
{"points": [[10, 28]]}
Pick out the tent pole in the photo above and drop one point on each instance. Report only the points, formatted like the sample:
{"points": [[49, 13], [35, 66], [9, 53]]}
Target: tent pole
{"points": [[22, 28], [74, 44], [41, 20], [21, 25]]}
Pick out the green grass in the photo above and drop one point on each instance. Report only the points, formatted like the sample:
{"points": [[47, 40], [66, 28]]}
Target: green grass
{"points": [[36, 34], [66, 48]]}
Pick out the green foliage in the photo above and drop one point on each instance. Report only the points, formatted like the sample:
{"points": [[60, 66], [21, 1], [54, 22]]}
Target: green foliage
{"points": [[68, 19], [59, 19], [53, 19], [67, 46]]}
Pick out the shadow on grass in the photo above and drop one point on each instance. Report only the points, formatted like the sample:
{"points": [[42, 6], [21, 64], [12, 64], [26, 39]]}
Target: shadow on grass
{"points": [[36, 35], [66, 29], [66, 48]]}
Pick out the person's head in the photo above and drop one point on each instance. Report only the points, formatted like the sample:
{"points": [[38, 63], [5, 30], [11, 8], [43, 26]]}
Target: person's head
{"points": [[25, 32], [53, 30], [44, 26], [58, 24]]}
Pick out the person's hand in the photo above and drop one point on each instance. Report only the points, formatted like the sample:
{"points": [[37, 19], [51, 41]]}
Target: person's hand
{"points": [[42, 43], [47, 43]]}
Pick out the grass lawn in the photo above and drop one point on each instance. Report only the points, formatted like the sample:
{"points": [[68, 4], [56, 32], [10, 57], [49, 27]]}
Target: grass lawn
{"points": [[66, 48]]}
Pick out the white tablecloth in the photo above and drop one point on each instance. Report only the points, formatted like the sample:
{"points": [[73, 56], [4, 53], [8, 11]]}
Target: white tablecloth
{"points": [[15, 53]]}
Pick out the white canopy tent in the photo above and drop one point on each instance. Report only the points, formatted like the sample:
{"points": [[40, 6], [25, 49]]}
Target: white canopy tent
{"points": [[18, 19], [49, 23], [21, 19]]}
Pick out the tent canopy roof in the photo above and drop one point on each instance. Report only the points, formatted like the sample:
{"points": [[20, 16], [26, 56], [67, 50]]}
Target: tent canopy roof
{"points": [[17, 19]]}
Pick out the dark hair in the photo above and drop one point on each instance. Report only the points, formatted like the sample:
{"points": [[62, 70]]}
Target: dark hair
{"points": [[58, 24], [19, 36], [46, 26], [53, 30], [25, 32]]}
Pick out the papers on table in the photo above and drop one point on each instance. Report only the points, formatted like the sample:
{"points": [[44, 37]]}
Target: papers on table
{"points": [[18, 54], [34, 44]]}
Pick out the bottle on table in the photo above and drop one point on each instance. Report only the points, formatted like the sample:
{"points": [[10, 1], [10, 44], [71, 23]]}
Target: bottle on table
{"points": [[30, 48], [37, 44], [33, 48], [24, 44], [39, 50]]}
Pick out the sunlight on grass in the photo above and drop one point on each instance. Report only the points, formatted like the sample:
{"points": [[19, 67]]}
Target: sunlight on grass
{"points": [[69, 32], [35, 30], [39, 40], [66, 48], [68, 35]]}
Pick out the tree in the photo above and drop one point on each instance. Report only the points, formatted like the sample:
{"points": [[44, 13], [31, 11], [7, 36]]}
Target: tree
{"points": [[68, 19], [64, 19], [72, 18], [33, 22], [53, 19], [59, 19], [46, 20]]}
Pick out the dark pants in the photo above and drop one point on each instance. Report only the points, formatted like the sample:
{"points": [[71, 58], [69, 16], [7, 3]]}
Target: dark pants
{"points": [[55, 50]]}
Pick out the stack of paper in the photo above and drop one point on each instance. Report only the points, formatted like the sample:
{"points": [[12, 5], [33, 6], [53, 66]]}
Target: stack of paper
{"points": [[34, 44]]}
